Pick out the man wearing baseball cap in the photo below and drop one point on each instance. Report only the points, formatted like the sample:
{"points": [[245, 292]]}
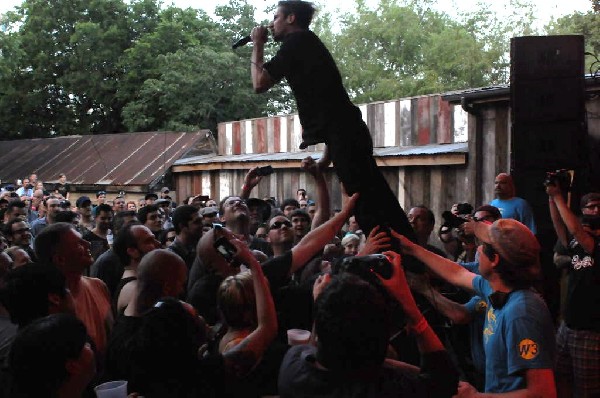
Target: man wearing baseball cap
{"points": [[518, 334]]}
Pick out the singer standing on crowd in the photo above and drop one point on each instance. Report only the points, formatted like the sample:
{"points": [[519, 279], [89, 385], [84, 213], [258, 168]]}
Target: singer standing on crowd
{"points": [[326, 112]]}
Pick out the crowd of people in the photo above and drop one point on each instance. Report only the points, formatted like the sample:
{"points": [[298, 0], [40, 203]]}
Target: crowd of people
{"points": [[197, 298], [100, 292]]}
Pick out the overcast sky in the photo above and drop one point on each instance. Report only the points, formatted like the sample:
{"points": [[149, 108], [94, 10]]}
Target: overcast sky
{"points": [[545, 8]]}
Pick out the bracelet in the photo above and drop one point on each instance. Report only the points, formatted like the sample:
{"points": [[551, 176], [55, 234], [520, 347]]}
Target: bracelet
{"points": [[419, 327], [244, 187]]}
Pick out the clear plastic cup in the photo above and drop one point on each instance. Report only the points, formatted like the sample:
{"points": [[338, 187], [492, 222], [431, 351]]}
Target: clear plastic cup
{"points": [[298, 336], [112, 389]]}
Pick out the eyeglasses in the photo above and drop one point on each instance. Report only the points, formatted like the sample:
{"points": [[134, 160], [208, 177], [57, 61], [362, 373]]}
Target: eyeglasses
{"points": [[595, 206], [233, 202], [21, 230], [278, 224], [485, 218], [170, 239]]}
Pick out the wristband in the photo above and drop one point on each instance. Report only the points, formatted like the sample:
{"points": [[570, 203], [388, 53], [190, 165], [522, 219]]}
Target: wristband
{"points": [[244, 187], [419, 327]]}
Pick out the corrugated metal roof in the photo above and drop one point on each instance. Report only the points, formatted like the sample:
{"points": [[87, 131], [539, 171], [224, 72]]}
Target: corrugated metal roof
{"points": [[107, 159], [421, 150], [592, 83]]}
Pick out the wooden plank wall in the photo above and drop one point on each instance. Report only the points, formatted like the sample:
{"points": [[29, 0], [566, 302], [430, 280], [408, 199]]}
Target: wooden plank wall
{"points": [[413, 185], [438, 187], [404, 122]]}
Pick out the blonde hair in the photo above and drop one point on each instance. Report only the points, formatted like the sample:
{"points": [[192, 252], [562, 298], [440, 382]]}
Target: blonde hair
{"points": [[237, 302], [349, 238]]}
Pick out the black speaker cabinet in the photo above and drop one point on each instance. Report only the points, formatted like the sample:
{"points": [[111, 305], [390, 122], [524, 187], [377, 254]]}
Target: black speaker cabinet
{"points": [[548, 128]]}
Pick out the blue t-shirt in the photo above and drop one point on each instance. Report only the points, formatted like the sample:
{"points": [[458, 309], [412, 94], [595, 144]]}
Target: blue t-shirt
{"points": [[516, 337], [471, 266], [477, 307], [517, 209]]}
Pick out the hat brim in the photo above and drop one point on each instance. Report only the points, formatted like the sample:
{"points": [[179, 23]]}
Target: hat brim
{"points": [[482, 231]]}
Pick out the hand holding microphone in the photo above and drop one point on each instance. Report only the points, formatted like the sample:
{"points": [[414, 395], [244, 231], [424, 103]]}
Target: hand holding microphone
{"points": [[259, 34]]}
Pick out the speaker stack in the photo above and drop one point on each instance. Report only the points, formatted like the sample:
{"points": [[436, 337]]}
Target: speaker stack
{"points": [[547, 114], [548, 131]]}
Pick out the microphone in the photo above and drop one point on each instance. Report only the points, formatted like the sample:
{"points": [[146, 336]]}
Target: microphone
{"points": [[241, 42]]}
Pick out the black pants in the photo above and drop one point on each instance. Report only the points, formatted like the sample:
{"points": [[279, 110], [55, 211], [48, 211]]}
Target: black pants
{"points": [[351, 151]]}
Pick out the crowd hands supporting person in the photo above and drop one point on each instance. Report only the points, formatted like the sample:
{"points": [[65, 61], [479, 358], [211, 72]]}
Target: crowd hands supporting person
{"points": [[198, 299]]}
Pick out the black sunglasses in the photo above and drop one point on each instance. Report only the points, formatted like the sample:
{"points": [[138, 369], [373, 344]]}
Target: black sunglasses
{"points": [[278, 224]]}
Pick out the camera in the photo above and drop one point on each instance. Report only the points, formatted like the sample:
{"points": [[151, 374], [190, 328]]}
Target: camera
{"points": [[560, 178], [264, 171], [226, 249], [365, 266], [453, 224]]}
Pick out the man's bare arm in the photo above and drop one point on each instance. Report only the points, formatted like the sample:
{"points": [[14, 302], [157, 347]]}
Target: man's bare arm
{"points": [[570, 220], [316, 239], [261, 80], [323, 207], [441, 266], [243, 357], [454, 311]]}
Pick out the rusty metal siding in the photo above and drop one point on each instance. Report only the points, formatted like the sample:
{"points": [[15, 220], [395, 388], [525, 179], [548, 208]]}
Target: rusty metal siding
{"points": [[109, 159]]}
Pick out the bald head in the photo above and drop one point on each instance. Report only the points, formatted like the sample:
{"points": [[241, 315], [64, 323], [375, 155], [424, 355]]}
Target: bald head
{"points": [[504, 187], [161, 273]]}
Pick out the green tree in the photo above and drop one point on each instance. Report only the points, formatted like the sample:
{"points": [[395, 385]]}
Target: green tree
{"points": [[65, 75], [586, 24], [405, 48], [205, 83]]}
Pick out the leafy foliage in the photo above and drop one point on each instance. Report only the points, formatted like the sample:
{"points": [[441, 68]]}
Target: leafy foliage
{"points": [[586, 24], [104, 66]]}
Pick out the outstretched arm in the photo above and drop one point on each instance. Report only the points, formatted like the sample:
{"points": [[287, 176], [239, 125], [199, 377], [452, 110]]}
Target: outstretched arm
{"points": [[441, 266], [243, 357], [250, 181], [440, 378], [454, 311], [568, 219], [397, 286], [316, 239], [323, 207]]}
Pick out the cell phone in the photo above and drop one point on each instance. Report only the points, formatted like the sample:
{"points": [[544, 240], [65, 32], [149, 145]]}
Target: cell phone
{"points": [[202, 198], [264, 171], [227, 250]]}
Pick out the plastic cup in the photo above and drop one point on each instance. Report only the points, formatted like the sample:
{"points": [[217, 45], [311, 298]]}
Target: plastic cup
{"points": [[112, 389], [298, 336]]}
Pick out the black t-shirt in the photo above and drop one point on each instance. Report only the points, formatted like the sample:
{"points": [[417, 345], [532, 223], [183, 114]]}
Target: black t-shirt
{"points": [[300, 377], [98, 245], [109, 269], [203, 296], [62, 189], [306, 64], [203, 293], [582, 311], [293, 301], [118, 354]]}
